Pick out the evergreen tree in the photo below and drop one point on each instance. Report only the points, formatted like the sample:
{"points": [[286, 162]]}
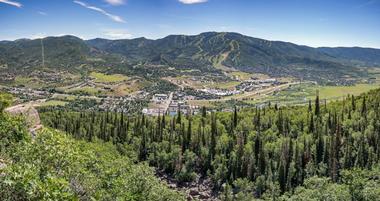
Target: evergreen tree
{"points": [[235, 119], [317, 107]]}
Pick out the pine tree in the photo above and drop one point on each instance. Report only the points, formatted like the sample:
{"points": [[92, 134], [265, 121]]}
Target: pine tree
{"points": [[204, 112], [235, 119], [310, 107], [353, 105], [143, 150], [163, 122], [262, 163], [282, 180], [364, 107], [183, 138], [189, 133], [311, 124], [179, 120], [213, 138], [317, 107]]}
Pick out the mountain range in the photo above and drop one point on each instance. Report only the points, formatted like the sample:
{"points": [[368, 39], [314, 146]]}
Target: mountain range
{"points": [[210, 50]]}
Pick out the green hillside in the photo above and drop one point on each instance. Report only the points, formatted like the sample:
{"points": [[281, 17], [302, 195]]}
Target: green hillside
{"points": [[66, 53], [207, 52], [363, 56], [316, 152], [232, 50], [54, 166]]}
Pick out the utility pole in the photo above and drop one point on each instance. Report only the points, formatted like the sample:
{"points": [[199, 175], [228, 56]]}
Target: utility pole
{"points": [[43, 53]]}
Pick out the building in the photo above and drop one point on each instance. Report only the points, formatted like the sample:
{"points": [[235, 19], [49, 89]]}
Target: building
{"points": [[160, 97], [174, 106], [153, 112]]}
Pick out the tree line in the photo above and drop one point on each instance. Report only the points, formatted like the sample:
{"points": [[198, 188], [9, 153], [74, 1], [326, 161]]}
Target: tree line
{"points": [[275, 148]]}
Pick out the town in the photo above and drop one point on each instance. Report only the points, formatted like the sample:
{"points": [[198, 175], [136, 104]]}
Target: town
{"points": [[184, 99], [177, 101]]}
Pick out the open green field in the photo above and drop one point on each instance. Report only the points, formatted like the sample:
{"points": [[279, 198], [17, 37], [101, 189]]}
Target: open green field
{"points": [[103, 78], [246, 76], [64, 98], [335, 92], [202, 103], [224, 85], [28, 82], [86, 91], [374, 73], [127, 88], [241, 75], [53, 103], [300, 94]]}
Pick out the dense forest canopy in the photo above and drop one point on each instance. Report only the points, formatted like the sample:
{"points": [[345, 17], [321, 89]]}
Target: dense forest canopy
{"points": [[205, 52], [315, 152], [55, 166]]}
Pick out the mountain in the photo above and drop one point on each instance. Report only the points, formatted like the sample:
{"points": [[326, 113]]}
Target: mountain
{"points": [[232, 50], [363, 56], [223, 51], [229, 49], [59, 53]]}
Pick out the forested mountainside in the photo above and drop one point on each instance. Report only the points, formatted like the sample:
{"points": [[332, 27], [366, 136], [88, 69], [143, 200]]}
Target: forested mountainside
{"points": [[364, 56], [55, 166], [315, 152], [67, 50], [231, 50], [60, 53], [203, 51]]}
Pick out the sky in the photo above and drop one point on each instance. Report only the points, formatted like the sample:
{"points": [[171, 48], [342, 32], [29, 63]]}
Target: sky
{"points": [[306, 22]]}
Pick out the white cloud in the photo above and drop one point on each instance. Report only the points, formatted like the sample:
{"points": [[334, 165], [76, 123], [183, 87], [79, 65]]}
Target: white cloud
{"points": [[192, 1], [111, 16], [13, 3], [42, 13], [117, 34], [115, 2]]}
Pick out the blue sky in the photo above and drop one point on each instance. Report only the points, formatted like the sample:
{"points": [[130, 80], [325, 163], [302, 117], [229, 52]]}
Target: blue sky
{"points": [[307, 22]]}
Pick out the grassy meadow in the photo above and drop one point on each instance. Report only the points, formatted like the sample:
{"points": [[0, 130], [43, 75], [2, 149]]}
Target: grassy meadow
{"points": [[103, 78], [300, 94]]}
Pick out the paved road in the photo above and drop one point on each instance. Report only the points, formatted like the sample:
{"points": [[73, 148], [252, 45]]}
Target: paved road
{"points": [[165, 106], [261, 92], [251, 94]]}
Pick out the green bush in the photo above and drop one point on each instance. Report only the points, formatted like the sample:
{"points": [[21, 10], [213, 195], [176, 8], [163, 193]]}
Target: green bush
{"points": [[57, 167], [187, 172], [5, 101], [12, 130]]}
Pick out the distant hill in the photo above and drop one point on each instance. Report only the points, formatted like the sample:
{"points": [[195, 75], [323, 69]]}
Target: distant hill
{"points": [[62, 53], [207, 50], [364, 56], [59, 52]]}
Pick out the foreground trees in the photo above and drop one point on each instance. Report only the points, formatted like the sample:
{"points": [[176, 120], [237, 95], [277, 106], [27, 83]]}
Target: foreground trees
{"points": [[54, 166], [271, 151]]}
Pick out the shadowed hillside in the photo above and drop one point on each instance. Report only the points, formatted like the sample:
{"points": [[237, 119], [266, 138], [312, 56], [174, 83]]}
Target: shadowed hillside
{"points": [[204, 51]]}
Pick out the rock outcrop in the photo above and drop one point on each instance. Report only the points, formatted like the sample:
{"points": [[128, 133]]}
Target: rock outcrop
{"points": [[199, 189], [31, 115], [2, 166]]}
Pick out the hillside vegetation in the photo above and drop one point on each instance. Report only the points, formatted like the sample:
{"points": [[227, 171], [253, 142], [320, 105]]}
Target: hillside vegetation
{"points": [[316, 152], [363, 56], [207, 52], [54, 166]]}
